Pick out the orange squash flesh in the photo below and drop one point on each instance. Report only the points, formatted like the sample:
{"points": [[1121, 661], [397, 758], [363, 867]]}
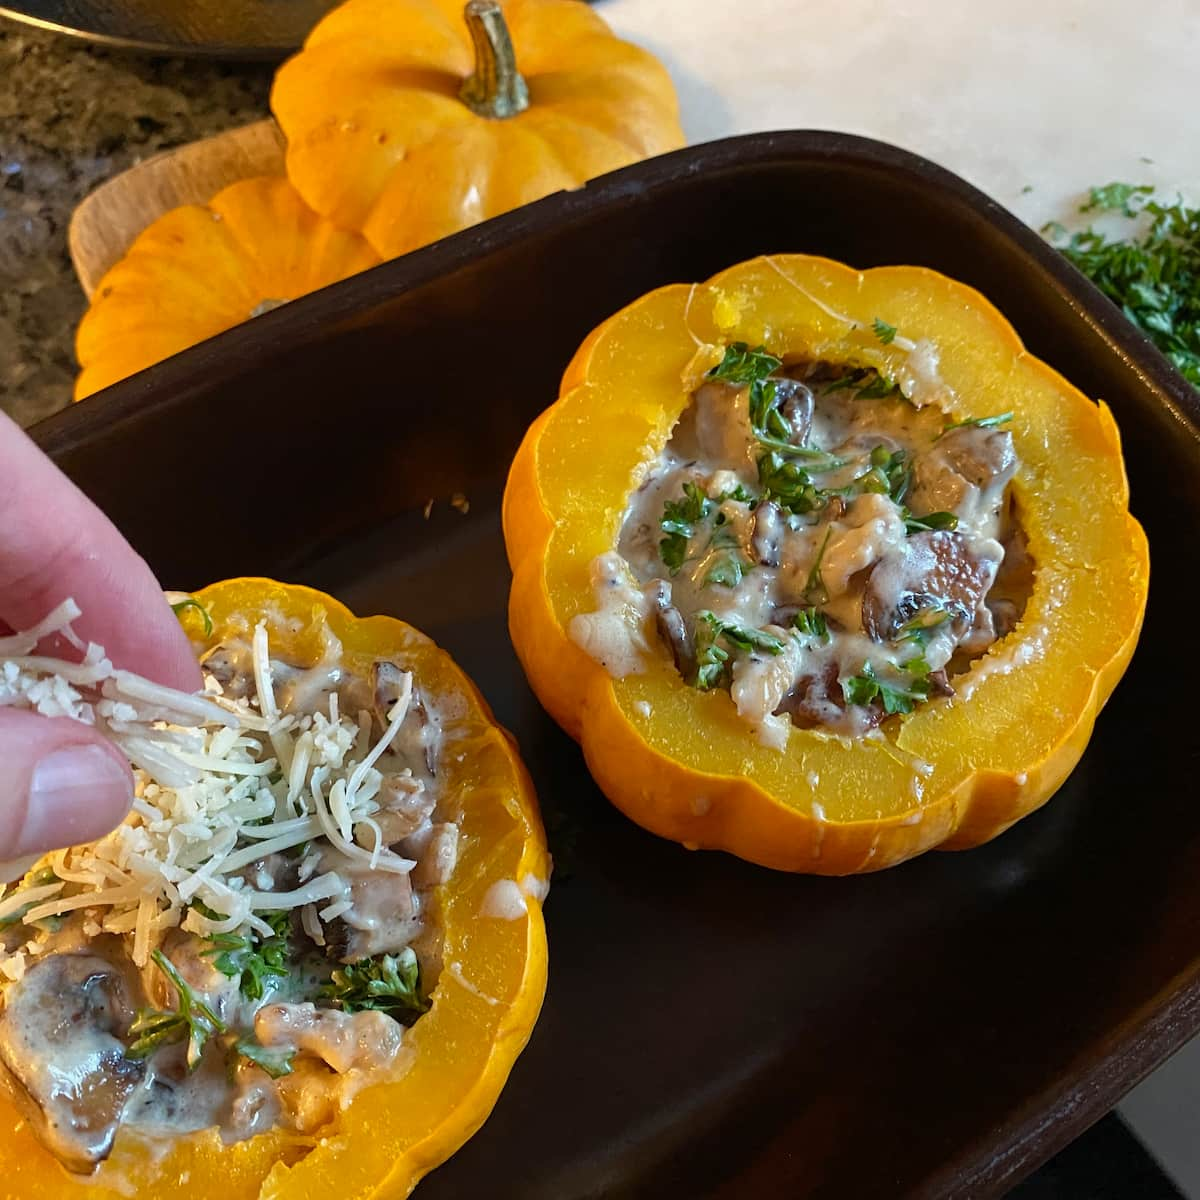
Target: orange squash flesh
{"points": [[484, 1005], [204, 268], [957, 771]]}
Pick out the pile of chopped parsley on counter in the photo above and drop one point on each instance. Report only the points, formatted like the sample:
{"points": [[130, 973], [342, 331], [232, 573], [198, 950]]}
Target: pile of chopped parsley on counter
{"points": [[1153, 275]]}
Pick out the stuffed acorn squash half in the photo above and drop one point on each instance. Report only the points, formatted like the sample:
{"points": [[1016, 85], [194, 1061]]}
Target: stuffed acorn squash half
{"points": [[820, 566], [305, 963]]}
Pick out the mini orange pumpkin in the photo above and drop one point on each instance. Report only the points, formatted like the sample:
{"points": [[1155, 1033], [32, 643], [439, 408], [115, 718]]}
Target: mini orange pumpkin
{"points": [[201, 269], [396, 127]]}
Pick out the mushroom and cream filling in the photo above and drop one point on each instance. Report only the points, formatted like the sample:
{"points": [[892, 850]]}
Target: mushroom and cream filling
{"points": [[815, 543], [246, 949]]}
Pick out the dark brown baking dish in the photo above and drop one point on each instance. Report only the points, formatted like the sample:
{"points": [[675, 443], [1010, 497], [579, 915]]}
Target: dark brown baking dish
{"points": [[713, 1029]]}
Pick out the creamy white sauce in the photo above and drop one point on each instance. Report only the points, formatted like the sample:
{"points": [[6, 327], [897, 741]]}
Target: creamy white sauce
{"points": [[504, 900], [851, 554]]}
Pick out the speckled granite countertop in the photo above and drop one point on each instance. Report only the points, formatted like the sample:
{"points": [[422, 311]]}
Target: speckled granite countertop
{"points": [[72, 116]]}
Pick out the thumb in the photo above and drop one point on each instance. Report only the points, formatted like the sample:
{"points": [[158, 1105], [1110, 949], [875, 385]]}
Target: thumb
{"points": [[61, 783]]}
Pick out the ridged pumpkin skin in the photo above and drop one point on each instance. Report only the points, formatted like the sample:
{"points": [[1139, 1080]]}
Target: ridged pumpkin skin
{"points": [[957, 771], [379, 140], [461, 1050], [204, 268]]}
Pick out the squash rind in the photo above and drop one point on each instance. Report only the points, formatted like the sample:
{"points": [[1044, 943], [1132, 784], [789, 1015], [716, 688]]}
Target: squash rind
{"points": [[956, 772]]}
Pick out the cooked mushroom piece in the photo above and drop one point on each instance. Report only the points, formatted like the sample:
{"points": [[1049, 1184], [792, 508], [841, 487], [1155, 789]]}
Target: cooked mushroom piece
{"points": [[795, 402], [383, 916], [404, 806], [60, 1041], [958, 461], [671, 626], [230, 667], [935, 570]]}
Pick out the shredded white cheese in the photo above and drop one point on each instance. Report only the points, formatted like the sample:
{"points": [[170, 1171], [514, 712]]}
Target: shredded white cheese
{"points": [[219, 786]]}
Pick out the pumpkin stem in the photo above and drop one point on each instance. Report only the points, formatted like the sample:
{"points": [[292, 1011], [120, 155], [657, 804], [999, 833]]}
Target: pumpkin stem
{"points": [[496, 89]]}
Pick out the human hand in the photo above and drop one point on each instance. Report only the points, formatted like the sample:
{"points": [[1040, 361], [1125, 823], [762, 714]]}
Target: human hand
{"points": [[61, 782]]}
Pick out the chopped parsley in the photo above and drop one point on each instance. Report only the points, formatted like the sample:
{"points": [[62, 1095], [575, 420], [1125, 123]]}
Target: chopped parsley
{"points": [[980, 422], [192, 602], [727, 565], [679, 521], [930, 521], [879, 388], [741, 365], [789, 484], [923, 624], [1153, 275], [883, 331], [815, 591], [388, 983], [712, 658], [896, 695], [192, 1021], [811, 623], [254, 958], [276, 1063]]}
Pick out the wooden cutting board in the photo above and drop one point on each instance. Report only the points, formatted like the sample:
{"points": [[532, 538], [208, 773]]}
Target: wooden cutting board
{"points": [[106, 222]]}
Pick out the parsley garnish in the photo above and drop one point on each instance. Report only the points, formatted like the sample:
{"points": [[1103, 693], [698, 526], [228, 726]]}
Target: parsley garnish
{"points": [[922, 625], [192, 602], [1152, 276], [883, 331], [741, 365], [679, 521], [788, 484], [276, 1063], [815, 591], [1116, 197], [728, 565], [712, 658], [934, 520], [388, 983], [811, 623], [193, 1020], [253, 958], [879, 388], [980, 422], [897, 696]]}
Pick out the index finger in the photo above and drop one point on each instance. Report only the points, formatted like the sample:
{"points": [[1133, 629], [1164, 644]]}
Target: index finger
{"points": [[55, 543]]}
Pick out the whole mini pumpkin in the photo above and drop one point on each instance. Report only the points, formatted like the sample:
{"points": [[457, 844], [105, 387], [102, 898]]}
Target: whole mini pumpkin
{"points": [[408, 122], [203, 268]]}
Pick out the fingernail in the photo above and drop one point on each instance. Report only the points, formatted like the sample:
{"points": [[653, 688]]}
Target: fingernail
{"points": [[76, 794]]}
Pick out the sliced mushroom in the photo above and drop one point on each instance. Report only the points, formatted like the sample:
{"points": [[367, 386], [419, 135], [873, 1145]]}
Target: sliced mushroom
{"points": [[817, 701], [60, 1040], [795, 402], [230, 666], [931, 570], [387, 685], [405, 804], [671, 626], [383, 916], [958, 461], [420, 736], [768, 533]]}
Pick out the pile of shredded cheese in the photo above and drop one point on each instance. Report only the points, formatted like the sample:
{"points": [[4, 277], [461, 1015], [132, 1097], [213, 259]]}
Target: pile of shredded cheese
{"points": [[220, 783]]}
